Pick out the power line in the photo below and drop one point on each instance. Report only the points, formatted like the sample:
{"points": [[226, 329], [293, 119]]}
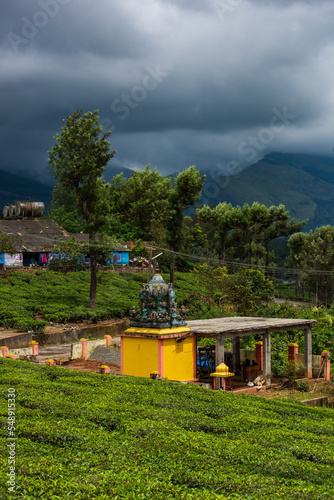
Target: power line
{"points": [[242, 265]]}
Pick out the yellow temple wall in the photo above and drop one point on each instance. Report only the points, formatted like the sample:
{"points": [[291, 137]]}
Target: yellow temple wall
{"points": [[141, 356], [178, 359]]}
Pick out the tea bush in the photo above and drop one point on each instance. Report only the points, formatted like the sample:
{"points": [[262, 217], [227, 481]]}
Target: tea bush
{"points": [[83, 435]]}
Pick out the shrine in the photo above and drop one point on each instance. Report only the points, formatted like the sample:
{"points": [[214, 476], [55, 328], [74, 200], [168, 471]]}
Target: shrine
{"points": [[158, 342]]}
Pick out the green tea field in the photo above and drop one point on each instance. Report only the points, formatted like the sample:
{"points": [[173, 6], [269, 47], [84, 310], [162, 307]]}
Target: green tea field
{"points": [[91, 436]]}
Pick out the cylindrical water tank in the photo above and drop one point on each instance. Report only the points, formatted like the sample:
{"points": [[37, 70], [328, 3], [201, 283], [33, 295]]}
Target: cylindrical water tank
{"points": [[29, 209], [5, 211], [11, 210]]}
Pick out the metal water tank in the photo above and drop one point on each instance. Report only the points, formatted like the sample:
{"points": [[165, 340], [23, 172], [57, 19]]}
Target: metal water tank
{"points": [[29, 209], [11, 211], [5, 211]]}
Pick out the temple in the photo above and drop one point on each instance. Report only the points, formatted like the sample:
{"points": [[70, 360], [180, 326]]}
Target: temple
{"points": [[158, 342]]}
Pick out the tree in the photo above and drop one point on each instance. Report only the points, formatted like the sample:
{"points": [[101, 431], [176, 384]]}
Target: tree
{"points": [[184, 192], [271, 223], [243, 290], [297, 244], [65, 210], [78, 161], [155, 205], [141, 200], [217, 223], [7, 244], [313, 253]]}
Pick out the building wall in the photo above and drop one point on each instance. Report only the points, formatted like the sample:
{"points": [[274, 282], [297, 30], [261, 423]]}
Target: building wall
{"points": [[178, 359], [15, 260], [120, 258], [140, 356]]}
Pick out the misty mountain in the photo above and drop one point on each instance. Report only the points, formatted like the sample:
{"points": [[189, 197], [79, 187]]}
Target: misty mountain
{"points": [[303, 183]]}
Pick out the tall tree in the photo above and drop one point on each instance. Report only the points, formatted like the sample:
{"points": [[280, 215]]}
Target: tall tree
{"points": [[142, 200], [78, 160], [271, 223], [185, 192], [217, 223], [299, 253]]}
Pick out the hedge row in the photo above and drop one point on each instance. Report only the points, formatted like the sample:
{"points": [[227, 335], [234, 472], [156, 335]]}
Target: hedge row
{"points": [[83, 436]]}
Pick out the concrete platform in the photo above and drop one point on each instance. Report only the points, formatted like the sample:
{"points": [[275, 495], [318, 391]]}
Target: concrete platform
{"points": [[14, 339]]}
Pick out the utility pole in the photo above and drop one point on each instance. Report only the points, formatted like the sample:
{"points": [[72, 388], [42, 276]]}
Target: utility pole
{"points": [[149, 265]]}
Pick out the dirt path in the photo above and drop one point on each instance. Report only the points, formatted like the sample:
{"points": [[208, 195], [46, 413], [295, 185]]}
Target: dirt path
{"points": [[295, 303]]}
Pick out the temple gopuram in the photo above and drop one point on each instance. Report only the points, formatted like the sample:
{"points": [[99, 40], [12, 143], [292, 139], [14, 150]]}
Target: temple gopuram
{"points": [[158, 343]]}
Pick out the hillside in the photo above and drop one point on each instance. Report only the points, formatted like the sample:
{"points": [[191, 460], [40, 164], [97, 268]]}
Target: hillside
{"points": [[303, 183], [85, 435]]}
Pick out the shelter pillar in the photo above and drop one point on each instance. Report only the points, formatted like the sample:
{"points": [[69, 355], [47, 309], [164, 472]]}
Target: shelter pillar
{"points": [[219, 350], [267, 358], [236, 354], [259, 354], [308, 351]]}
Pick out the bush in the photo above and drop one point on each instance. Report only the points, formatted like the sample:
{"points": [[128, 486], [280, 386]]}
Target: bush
{"points": [[302, 386]]}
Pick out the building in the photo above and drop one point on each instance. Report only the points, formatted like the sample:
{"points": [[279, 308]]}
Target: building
{"points": [[35, 240]]}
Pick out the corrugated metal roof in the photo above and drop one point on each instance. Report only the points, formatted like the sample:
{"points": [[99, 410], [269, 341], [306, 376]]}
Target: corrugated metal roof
{"points": [[36, 235]]}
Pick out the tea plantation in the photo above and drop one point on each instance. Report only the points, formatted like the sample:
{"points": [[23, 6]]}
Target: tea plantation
{"points": [[91, 436], [63, 298]]}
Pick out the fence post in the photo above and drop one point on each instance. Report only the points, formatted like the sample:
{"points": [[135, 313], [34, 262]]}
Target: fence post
{"points": [[107, 339], [83, 348], [325, 360], [34, 347], [293, 351], [4, 350]]}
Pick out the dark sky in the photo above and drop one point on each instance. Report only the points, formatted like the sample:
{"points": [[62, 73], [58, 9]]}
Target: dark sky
{"points": [[214, 83]]}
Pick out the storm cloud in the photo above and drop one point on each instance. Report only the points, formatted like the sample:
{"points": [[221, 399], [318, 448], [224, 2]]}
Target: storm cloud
{"points": [[215, 83]]}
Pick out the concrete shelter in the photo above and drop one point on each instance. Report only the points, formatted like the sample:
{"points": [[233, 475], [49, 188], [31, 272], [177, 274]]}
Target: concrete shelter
{"points": [[236, 327]]}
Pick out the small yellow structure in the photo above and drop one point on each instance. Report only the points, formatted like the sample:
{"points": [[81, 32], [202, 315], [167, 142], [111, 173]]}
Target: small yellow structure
{"points": [[158, 339], [222, 372]]}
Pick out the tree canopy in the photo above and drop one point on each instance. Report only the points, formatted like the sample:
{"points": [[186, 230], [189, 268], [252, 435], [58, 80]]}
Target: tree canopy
{"points": [[77, 161]]}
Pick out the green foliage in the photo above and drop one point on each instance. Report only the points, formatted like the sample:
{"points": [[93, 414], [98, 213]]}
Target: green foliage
{"points": [[69, 254], [62, 298], [70, 220], [141, 200], [242, 291], [78, 160], [322, 330], [84, 436], [312, 256], [302, 386], [7, 244], [245, 233]]}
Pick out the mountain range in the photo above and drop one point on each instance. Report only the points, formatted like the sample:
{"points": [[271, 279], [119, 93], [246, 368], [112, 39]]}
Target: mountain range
{"points": [[303, 183]]}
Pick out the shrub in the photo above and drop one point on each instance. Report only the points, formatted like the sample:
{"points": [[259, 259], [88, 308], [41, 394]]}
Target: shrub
{"points": [[302, 386]]}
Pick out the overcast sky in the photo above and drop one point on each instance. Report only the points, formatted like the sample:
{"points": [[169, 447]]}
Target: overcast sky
{"points": [[214, 83]]}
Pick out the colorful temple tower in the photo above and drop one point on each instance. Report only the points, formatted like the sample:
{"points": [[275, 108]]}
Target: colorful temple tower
{"points": [[158, 342]]}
